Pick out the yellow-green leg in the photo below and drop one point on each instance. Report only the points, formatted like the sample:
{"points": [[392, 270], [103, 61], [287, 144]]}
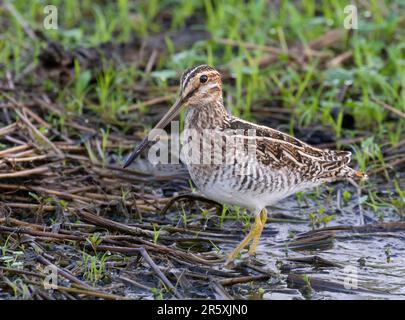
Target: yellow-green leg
{"points": [[254, 234], [258, 233]]}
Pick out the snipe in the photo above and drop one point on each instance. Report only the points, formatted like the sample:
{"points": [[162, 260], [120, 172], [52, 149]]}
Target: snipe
{"points": [[244, 164]]}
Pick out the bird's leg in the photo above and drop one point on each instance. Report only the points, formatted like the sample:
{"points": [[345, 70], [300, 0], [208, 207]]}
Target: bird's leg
{"points": [[256, 237], [256, 229]]}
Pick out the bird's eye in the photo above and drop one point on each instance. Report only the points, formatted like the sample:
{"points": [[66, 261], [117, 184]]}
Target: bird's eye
{"points": [[203, 78]]}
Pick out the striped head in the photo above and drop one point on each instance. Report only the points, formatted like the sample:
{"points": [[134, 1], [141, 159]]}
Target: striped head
{"points": [[200, 84]]}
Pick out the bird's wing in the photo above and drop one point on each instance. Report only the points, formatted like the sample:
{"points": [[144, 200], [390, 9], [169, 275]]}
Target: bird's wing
{"points": [[277, 150]]}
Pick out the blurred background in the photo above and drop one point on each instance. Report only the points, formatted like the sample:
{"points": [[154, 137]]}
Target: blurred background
{"points": [[294, 55]]}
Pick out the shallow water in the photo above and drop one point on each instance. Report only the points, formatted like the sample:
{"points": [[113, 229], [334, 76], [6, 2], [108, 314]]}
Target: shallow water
{"points": [[368, 265]]}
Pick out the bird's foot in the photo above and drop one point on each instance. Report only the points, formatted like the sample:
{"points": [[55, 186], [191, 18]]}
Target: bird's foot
{"points": [[253, 235]]}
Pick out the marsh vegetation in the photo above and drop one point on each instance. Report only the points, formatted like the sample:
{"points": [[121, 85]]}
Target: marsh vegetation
{"points": [[75, 100]]}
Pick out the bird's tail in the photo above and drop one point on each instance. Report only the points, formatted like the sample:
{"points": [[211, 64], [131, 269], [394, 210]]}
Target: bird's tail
{"points": [[349, 173], [336, 168]]}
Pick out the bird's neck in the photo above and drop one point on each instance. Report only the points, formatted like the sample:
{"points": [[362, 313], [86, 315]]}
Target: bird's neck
{"points": [[206, 116]]}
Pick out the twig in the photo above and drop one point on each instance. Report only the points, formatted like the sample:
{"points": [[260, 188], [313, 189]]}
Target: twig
{"points": [[338, 60], [109, 224], [149, 102], [63, 272], [245, 279], [90, 292], [189, 196], [155, 268], [13, 150], [388, 165], [8, 129], [389, 108], [134, 283], [25, 107], [24, 173], [220, 290], [39, 133]]}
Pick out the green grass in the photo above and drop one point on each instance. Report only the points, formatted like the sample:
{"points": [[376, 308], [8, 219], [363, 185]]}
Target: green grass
{"points": [[88, 23], [375, 70], [94, 267]]}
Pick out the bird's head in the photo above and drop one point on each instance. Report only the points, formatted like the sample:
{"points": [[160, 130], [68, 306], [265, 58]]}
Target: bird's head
{"points": [[198, 86]]}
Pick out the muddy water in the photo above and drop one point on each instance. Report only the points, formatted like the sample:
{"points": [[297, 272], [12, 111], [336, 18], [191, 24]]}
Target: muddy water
{"points": [[359, 265]]}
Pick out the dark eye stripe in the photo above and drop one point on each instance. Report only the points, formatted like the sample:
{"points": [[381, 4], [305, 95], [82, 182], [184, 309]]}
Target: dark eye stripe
{"points": [[189, 74]]}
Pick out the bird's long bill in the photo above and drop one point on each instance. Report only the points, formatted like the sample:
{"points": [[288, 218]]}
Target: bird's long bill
{"points": [[173, 111]]}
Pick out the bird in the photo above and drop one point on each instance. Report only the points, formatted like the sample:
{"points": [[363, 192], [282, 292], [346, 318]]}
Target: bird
{"points": [[242, 163]]}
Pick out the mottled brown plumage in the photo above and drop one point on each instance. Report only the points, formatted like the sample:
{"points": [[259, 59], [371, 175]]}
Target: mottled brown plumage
{"points": [[237, 162]]}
